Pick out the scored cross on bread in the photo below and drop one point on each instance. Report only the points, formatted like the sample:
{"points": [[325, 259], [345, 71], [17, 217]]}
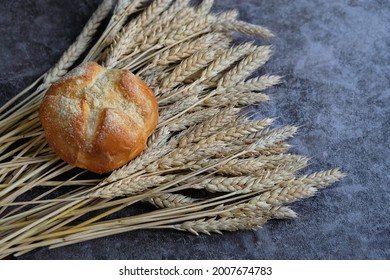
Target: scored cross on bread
{"points": [[97, 118]]}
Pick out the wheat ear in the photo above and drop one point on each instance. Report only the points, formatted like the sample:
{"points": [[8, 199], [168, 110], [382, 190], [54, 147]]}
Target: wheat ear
{"points": [[170, 200], [208, 127], [82, 42], [207, 226], [130, 186]]}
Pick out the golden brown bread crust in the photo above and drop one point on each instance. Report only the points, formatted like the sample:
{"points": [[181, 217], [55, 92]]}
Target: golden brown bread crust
{"points": [[97, 118]]}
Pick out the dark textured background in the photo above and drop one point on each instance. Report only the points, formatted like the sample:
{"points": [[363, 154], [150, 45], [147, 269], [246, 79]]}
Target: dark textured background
{"points": [[335, 58]]}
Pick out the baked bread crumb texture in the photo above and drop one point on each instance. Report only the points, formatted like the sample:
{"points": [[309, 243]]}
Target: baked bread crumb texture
{"points": [[98, 119]]}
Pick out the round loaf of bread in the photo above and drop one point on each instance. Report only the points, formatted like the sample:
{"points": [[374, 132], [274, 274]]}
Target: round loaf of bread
{"points": [[97, 118]]}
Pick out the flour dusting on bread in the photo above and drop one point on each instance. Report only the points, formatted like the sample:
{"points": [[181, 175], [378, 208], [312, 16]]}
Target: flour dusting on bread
{"points": [[107, 113]]}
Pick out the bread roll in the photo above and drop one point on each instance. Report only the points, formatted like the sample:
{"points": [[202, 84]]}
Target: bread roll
{"points": [[97, 118]]}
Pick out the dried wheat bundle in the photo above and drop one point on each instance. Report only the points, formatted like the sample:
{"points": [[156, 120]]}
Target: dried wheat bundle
{"points": [[207, 168]]}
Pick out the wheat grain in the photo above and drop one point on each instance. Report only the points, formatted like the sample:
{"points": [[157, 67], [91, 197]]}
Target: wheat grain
{"points": [[244, 93], [273, 149], [150, 41], [320, 179], [245, 67], [209, 43], [237, 131], [192, 119], [259, 83], [31, 103], [80, 45], [262, 143], [197, 61], [170, 200], [201, 143], [180, 156], [241, 71], [123, 9], [242, 27], [152, 80], [178, 94], [177, 107], [227, 58], [257, 166], [152, 12], [224, 17], [261, 164], [125, 39], [208, 127], [207, 226], [155, 35], [235, 99], [159, 148], [250, 210], [204, 7], [186, 49], [284, 195], [197, 25], [244, 184], [282, 212], [268, 136]]}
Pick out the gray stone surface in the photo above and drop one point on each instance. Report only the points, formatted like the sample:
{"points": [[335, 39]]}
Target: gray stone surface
{"points": [[335, 59]]}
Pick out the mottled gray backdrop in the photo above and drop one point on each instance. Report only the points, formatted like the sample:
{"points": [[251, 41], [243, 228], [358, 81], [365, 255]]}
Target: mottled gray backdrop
{"points": [[335, 59]]}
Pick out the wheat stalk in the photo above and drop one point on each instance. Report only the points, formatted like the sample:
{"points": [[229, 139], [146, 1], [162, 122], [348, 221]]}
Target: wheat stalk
{"points": [[187, 67], [244, 27], [130, 186], [243, 69], [208, 127], [250, 210], [184, 50], [192, 119], [208, 226], [82, 42], [31, 102], [170, 200], [123, 41], [202, 144], [244, 184]]}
